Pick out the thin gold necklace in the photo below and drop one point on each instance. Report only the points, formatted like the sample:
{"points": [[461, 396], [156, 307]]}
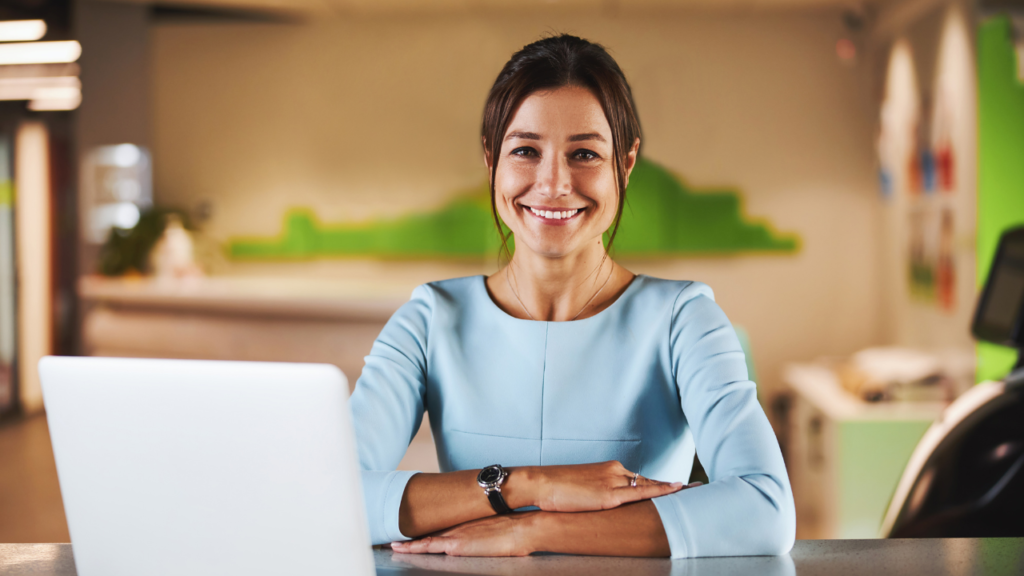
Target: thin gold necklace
{"points": [[527, 310]]}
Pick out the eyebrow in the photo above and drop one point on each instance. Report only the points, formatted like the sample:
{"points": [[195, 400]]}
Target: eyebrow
{"points": [[523, 135], [588, 136], [573, 138]]}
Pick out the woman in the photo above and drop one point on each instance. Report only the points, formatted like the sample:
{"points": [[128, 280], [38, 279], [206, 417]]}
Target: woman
{"points": [[579, 378]]}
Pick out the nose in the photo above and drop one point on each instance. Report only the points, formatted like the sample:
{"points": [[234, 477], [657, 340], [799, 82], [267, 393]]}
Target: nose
{"points": [[554, 179]]}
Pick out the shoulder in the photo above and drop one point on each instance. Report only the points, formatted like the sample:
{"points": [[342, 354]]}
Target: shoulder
{"points": [[410, 326], [676, 293], [448, 294], [686, 305], [452, 288]]}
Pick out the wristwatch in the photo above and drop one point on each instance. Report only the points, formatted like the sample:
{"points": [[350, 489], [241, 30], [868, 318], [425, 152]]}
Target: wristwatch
{"points": [[490, 479]]}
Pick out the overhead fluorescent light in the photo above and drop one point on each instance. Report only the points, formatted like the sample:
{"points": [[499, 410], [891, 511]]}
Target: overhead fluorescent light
{"points": [[40, 81], [39, 88], [57, 93], [70, 102], [22, 30], [36, 70], [40, 52]]}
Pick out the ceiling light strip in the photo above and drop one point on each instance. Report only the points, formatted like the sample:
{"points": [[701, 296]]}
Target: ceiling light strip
{"points": [[40, 52], [55, 104], [40, 81], [22, 30]]}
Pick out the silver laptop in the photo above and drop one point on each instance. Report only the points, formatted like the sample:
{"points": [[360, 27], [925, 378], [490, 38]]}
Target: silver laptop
{"points": [[196, 467]]}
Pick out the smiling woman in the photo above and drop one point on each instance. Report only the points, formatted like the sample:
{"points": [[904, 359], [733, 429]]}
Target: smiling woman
{"points": [[583, 380], [557, 189]]}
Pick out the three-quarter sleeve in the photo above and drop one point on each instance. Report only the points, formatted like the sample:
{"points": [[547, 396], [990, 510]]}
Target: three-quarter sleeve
{"points": [[387, 409], [747, 507]]}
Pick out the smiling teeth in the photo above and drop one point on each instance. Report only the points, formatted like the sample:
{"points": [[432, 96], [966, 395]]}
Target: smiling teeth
{"points": [[555, 215]]}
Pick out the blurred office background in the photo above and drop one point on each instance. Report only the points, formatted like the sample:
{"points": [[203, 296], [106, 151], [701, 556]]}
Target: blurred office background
{"points": [[269, 179]]}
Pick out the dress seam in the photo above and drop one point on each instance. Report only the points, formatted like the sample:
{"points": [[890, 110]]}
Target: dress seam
{"points": [[671, 332], [543, 380]]}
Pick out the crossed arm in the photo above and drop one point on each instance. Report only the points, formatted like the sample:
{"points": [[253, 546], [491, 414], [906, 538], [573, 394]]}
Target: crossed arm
{"points": [[584, 509], [746, 509]]}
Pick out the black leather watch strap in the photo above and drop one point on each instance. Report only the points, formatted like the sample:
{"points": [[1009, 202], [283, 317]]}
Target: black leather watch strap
{"points": [[498, 502]]}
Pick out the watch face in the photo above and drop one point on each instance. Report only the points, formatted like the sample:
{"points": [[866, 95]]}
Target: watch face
{"points": [[490, 475]]}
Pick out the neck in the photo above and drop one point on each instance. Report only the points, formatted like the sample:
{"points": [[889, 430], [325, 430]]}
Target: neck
{"points": [[564, 288]]}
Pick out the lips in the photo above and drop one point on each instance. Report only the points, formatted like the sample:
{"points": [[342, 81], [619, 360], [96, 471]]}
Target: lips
{"points": [[552, 213]]}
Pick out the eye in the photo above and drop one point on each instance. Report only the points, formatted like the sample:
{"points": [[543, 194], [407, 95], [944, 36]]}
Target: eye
{"points": [[584, 154], [524, 151]]}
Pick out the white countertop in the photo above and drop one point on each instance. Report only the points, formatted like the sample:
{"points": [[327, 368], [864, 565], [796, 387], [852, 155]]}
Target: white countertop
{"points": [[820, 386]]}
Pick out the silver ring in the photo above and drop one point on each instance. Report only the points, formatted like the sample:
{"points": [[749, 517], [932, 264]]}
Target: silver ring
{"points": [[633, 481]]}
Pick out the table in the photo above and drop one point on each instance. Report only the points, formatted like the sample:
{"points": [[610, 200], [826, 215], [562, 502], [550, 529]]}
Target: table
{"points": [[931, 557]]}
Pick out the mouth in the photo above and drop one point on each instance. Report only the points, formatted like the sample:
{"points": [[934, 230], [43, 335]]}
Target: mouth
{"points": [[553, 215]]}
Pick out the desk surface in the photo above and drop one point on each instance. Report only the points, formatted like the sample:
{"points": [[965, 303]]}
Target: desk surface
{"points": [[931, 557]]}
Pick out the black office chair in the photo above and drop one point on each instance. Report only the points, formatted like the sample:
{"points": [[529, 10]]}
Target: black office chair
{"points": [[966, 476]]}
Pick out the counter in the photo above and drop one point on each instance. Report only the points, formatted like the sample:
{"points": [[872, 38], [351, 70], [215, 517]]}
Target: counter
{"points": [[925, 557], [281, 319]]}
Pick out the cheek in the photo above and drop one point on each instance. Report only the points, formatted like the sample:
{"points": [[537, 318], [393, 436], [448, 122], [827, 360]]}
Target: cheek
{"points": [[505, 212], [600, 185], [509, 183], [512, 177]]}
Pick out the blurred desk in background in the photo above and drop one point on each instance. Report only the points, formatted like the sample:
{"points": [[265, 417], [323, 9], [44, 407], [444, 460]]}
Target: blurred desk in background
{"points": [[237, 318], [844, 455], [257, 319]]}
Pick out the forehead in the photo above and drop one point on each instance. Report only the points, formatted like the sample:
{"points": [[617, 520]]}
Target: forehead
{"points": [[563, 111]]}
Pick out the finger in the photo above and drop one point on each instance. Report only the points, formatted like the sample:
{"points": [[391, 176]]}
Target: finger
{"points": [[642, 481], [637, 480], [425, 545], [645, 481], [647, 491]]}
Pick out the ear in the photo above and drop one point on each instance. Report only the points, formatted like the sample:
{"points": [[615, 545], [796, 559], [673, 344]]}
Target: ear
{"points": [[487, 154], [631, 158]]}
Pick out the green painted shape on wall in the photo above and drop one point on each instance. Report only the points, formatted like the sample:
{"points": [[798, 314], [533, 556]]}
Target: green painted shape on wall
{"points": [[6, 193], [662, 218], [462, 228], [1000, 162], [872, 456]]}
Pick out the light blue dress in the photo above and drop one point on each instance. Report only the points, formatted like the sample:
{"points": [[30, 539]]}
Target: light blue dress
{"points": [[642, 382]]}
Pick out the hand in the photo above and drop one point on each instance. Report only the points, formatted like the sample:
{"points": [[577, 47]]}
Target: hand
{"points": [[587, 487], [503, 535]]}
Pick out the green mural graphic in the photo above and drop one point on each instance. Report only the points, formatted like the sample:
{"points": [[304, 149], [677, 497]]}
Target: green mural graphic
{"points": [[1000, 165], [663, 217]]}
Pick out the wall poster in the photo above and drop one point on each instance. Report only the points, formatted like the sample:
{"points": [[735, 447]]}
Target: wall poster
{"points": [[927, 166]]}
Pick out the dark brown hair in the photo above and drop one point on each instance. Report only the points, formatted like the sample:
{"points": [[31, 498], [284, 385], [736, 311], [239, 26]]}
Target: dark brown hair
{"points": [[552, 63]]}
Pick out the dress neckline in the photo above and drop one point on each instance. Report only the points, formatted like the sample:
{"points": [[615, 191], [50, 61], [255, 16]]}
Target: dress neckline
{"points": [[625, 293]]}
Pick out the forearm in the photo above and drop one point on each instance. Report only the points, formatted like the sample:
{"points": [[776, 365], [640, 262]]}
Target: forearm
{"points": [[630, 530], [433, 502]]}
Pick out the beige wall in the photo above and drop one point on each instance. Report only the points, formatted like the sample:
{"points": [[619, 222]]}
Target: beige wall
{"points": [[374, 115]]}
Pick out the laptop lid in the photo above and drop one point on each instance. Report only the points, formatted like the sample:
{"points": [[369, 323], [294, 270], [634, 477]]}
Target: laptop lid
{"points": [[200, 467]]}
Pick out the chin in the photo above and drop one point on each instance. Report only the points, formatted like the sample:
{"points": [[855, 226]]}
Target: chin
{"points": [[549, 249]]}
